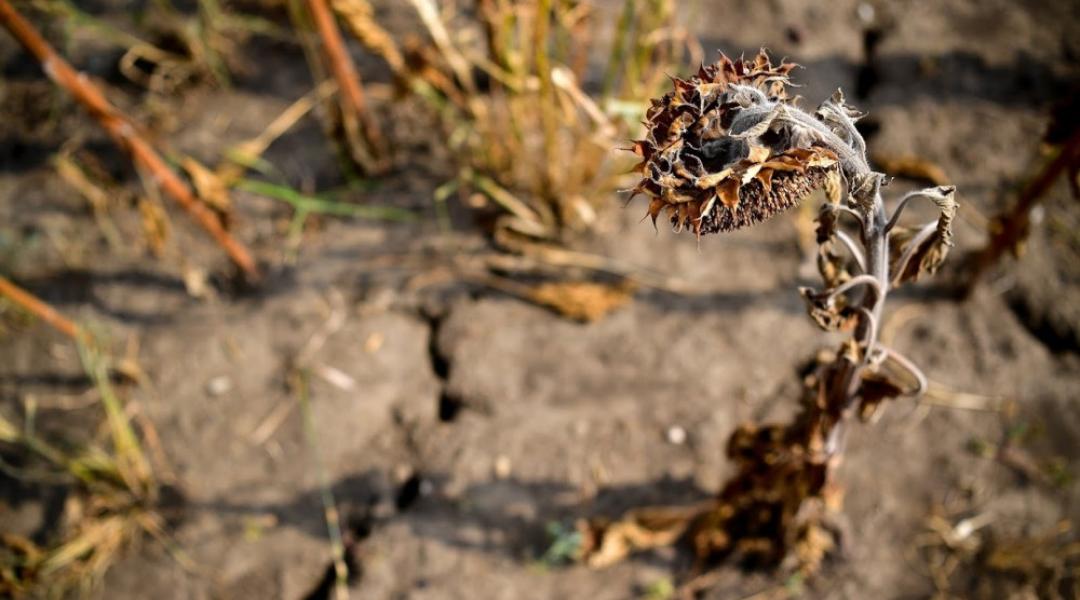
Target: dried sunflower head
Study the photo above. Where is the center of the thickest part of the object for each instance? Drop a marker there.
(723, 152)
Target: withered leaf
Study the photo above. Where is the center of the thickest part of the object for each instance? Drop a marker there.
(582, 300)
(864, 188)
(606, 543)
(827, 222)
(919, 252)
(830, 315)
(838, 114)
(832, 265)
(912, 167)
(875, 389)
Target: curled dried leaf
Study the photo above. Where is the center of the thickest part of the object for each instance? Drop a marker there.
(840, 117)
(832, 265)
(875, 389)
(828, 310)
(922, 251)
(582, 300)
(864, 189)
(828, 220)
(912, 167)
(604, 543)
(760, 513)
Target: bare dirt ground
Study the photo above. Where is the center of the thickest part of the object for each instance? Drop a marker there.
(477, 419)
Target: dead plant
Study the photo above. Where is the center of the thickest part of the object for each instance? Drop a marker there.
(728, 149)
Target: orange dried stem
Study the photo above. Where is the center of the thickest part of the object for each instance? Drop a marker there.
(124, 133)
(1015, 222)
(39, 308)
(341, 65)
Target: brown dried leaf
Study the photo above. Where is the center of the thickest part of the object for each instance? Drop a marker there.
(813, 545)
(211, 189)
(728, 192)
(912, 167)
(915, 253)
(581, 300)
(830, 315)
(827, 223)
(832, 265)
(758, 154)
(863, 190)
(875, 389)
(606, 543)
(834, 187)
(155, 224)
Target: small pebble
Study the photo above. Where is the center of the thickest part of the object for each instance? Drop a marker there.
(581, 428)
(374, 342)
(866, 13)
(502, 467)
(676, 435)
(218, 385)
(402, 472)
(1038, 213)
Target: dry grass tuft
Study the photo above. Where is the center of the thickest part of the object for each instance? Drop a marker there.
(111, 503)
(529, 139)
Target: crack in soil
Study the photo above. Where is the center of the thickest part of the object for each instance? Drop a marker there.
(449, 404)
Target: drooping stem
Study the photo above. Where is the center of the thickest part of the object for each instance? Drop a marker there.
(875, 239)
(856, 254)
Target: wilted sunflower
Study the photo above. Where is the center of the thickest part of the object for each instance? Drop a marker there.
(727, 148)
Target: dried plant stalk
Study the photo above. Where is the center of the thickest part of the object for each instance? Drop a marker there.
(354, 105)
(40, 309)
(1009, 230)
(359, 17)
(124, 133)
(727, 149)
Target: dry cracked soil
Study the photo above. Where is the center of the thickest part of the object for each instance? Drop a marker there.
(455, 422)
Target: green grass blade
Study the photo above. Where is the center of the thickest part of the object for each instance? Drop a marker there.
(323, 206)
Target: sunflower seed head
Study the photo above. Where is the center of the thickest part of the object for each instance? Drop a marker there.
(722, 151)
